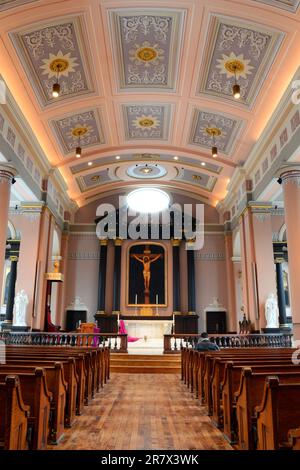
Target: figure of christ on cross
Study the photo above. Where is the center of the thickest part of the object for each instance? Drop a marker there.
(146, 259)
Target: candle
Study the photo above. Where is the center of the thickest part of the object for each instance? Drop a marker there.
(173, 319)
(135, 304)
(118, 319)
(156, 304)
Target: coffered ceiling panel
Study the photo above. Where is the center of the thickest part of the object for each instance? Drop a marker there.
(146, 121)
(85, 126)
(290, 5)
(95, 179)
(210, 129)
(199, 179)
(147, 45)
(237, 49)
(61, 45)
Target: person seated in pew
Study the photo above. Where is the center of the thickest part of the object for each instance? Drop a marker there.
(204, 344)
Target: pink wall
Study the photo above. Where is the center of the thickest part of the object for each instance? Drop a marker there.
(83, 271)
(210, 268)
(29, 227)
(277, 222)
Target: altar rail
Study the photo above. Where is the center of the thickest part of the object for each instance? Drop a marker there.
(174, 343)
(114, 341)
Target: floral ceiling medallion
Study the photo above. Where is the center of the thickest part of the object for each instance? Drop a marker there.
(80, 131)
(95, 178)
(213, 131)
(59, 63)
(234, 65)
(146, 122)
(147, 54)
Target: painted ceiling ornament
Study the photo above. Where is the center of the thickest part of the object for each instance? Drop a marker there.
(80, 131)
(234, 65)
(213, 131)
(60, 63)
(146, 122)
(96, 178)
(146, 54)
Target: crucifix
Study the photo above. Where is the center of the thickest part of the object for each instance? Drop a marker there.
(147, 258)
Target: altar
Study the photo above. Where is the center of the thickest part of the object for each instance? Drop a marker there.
(147, 329)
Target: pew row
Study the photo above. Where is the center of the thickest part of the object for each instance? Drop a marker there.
(13, 415)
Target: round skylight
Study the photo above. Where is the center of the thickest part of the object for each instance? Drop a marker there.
(148, 200)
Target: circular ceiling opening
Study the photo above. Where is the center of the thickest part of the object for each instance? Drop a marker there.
(148, 200)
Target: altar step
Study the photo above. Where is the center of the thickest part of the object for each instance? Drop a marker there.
(145, 363)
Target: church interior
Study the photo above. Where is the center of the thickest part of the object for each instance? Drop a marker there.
(149, 194)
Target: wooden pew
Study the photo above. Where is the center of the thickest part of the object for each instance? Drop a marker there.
(57, 386)
(36, 395)
(278, 412)
(13, 415)
(213, 382)
(94, 361)
(224, 384)
(69, 374)
(249, 395)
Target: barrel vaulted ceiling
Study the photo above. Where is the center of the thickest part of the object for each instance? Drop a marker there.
(143, 82)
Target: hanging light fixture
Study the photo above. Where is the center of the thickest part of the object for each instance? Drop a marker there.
(213, 132)
(78, 132)
(56, 85)
(78, 149)
(236, 89)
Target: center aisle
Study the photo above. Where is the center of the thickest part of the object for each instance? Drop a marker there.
(143, 411)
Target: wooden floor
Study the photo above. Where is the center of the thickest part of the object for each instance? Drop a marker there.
(143, 411)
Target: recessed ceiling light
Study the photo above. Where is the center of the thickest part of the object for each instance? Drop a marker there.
(118, 157)
(176, 158)
(90, 163)
(203, 163)
(148, 200)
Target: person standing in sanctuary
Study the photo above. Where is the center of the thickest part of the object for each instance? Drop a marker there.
(204, 344)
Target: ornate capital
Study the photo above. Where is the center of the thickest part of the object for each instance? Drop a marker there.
(118, 241)
(291, 176)
(14, 258)
(7, 173)
(175, 241)
(103, 242)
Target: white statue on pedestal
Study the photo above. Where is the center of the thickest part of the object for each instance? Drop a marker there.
(271, 311)
(21, 302)
(215, 302)
(77, 305)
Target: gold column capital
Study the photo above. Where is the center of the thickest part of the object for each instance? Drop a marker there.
(118, 241)
(104, 242)
(175, 241)
(13, 258)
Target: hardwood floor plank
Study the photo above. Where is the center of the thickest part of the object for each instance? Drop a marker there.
(143, 411)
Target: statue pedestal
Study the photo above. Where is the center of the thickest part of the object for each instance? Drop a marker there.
(271, 330)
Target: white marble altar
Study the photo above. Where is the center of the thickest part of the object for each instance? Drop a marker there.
(145, 328)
